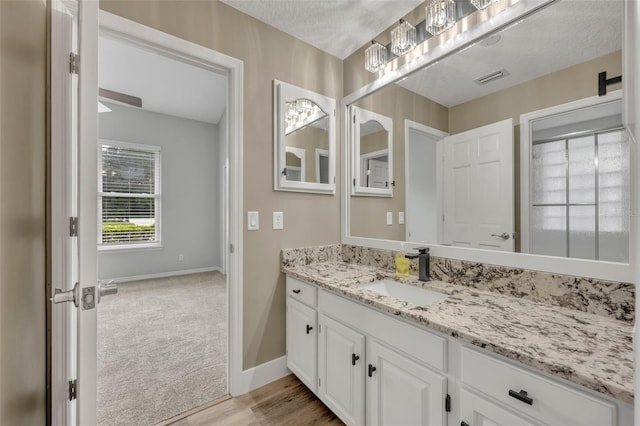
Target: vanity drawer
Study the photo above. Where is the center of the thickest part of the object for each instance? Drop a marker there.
(306, 293)
(551, 402)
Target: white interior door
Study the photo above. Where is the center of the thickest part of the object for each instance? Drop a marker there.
(478, 188)
(378, 172)
(74, 174)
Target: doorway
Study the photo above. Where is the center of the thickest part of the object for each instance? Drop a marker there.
(74, 352)
(162, 132)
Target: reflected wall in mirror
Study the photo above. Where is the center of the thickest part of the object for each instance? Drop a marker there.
(450, 187)
(372, 153)
(304, 140)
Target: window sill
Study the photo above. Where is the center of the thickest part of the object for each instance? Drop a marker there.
(126, 248)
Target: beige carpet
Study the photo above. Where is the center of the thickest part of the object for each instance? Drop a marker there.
(162, 348)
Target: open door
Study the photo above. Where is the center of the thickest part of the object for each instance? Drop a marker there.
(76, 293)
(478, 188)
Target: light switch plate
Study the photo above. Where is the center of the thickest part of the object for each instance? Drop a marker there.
(278, 220)
(253, 221)
(389, 218)
(400, 218)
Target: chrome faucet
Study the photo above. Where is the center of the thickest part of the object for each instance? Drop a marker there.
(423, 263)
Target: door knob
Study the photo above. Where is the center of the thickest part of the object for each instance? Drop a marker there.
(107, 289)
(60, 296)
(504, 236)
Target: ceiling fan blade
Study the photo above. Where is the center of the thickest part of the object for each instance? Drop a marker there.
(120, 97)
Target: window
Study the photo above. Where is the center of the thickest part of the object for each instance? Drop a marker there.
(128, 195)
(580, 196)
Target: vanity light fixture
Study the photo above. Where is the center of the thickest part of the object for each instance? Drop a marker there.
(375, 57)
(403, 38)
(482, 4)
(440, 16)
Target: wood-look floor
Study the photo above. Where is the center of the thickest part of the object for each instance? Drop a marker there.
(284, 402)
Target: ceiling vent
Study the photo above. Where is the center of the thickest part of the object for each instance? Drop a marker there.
(492, 76)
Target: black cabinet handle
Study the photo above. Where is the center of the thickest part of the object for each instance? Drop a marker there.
(354, 358)
(297, 291)
(521, 396)
(309, 328)
(463, 423)
(371, 370)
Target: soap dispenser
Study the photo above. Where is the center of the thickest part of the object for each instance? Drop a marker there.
(402, 263)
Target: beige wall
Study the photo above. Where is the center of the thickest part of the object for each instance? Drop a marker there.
(369, 214)
(267, 54)
(22, 212)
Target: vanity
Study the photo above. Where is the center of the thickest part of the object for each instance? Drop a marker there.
(510, 157)
(466, 356)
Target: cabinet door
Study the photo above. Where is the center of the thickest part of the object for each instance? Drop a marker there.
(302, 342)
(477, 411)
(401, 391)
(340, 369)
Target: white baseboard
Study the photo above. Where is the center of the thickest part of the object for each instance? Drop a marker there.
(261, 375)
(164, 274)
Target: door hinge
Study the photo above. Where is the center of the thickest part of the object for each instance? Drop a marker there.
(354, 181)
(74, 63)
(73, 390)
(447, 403)
(231, 248)
(319, 328)
(73, 226)
(318, 381)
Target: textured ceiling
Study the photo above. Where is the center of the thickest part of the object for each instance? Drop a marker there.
(564, 34)
(165, 85)
(339, 27)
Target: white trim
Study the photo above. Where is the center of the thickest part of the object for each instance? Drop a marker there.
(434, 133)
(163, 274)
(189, 52)
(261, 375)
(578, 267)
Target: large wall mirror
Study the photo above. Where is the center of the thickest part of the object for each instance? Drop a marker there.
(304, 140)
(503, 144)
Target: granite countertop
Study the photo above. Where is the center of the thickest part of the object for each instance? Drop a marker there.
(586, 349)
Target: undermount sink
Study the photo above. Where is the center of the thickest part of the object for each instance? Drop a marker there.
(405, 292)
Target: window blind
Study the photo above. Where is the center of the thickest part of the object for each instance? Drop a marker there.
(128, 193)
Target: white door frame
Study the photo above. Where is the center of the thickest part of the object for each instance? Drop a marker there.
(430, 132)
(525, 154)
(188, 52)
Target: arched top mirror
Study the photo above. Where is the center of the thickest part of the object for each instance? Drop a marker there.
(304, 140)
(372, 142)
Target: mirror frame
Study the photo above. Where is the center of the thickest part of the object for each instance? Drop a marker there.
(393, 73)
(361, 115)
(281, 92)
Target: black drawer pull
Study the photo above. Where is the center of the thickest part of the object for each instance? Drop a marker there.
(309, 328)
(371, 370)
(463, 423)
(354, 358)
(521, 396)
(297, 291)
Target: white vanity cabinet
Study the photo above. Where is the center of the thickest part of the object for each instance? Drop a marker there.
(400, 391)
(341, 361)
(302, 342)
(528, 395)
(377, 370)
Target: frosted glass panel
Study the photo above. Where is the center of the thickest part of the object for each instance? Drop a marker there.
(582, 170)
(549, 228)
(549, 173)
(613, 176)
(582, 232)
